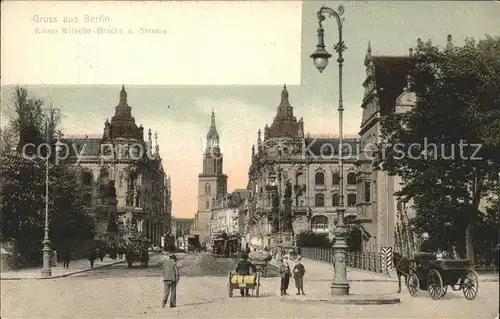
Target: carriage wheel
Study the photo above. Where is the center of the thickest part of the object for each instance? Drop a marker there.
(257, 285)
(470, 284)
(413, 285)
(434, 284)
(443, 292)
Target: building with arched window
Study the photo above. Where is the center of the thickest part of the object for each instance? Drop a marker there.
(310, 164)
(124, 163)
(386, 91)
(320, 224)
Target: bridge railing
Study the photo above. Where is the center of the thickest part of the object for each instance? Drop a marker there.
(368, 261)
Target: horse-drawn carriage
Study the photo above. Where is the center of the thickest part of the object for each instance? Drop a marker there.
(136, 250)
(251, 282)
(225, 246)
(428, 273)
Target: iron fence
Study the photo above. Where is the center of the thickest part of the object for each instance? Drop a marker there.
(368, 261)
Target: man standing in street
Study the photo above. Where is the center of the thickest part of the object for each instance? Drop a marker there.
(170, 280)
(298, 275)
(284, 271)
(243, 269)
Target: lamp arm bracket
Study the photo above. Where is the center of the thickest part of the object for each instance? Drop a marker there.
(331, 13)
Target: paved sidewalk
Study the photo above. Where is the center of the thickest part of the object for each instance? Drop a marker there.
(75, 267)
(319, 270)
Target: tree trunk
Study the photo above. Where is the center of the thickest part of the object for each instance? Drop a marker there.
(469, 247)
(476, 197)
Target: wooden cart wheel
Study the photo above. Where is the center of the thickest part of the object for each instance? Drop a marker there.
(470, 284)
(413, 285)
(443, 292)
(434, 284)
(257, 285)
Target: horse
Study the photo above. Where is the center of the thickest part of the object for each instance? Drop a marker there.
(402, 265)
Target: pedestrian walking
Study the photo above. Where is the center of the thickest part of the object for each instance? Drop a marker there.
(66, 257)
(92, 257)
(170, 281)
(298, 274)
(284, 271)
(243, 269)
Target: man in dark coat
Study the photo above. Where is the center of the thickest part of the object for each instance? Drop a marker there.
(92, 257)
(298, 274)
(66, 257)
(243, 269)
(284, 270)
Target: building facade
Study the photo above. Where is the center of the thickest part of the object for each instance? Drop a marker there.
(181, 226)
(123, 164)
(212, 183)
(310, 164)
(386, 91)
(228, 213)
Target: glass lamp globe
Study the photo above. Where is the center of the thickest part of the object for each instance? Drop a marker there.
(320, 58)
(320, 63)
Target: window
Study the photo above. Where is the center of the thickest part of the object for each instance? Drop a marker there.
(351, 179)
(319, 200)
(335, 179)
(319, 178)
(87, 178)
(335, 199)
(207, 204)
(207, 189)
(351, 200)
(319, 223)
(367, 192)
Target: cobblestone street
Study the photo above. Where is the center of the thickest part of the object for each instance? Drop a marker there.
(119, 292)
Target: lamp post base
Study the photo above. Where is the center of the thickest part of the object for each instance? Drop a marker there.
(339, 289)
(46, 270)
(46, 273)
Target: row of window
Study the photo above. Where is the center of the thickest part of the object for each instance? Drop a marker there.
(319, 200)
(319, 178)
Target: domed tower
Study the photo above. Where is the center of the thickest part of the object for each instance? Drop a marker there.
(122, 123)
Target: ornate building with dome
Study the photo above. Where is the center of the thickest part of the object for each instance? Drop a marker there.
(128, 191)
(309, 166)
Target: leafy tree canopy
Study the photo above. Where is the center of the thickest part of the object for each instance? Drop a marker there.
(23, 183)
(458, 111)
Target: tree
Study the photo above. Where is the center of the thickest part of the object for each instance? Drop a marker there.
(23, 191)
(310, 239)
(458, 110)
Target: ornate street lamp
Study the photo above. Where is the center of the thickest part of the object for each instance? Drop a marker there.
(46, 250)
(320, 57)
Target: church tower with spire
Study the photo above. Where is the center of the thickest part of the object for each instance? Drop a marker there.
(212, 182)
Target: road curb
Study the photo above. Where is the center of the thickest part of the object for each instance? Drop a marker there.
(345, 300)
(387, 278)
(68, 274)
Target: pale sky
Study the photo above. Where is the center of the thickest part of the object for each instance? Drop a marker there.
(240, 109)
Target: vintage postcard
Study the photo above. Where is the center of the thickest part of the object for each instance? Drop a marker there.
(249, 159)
